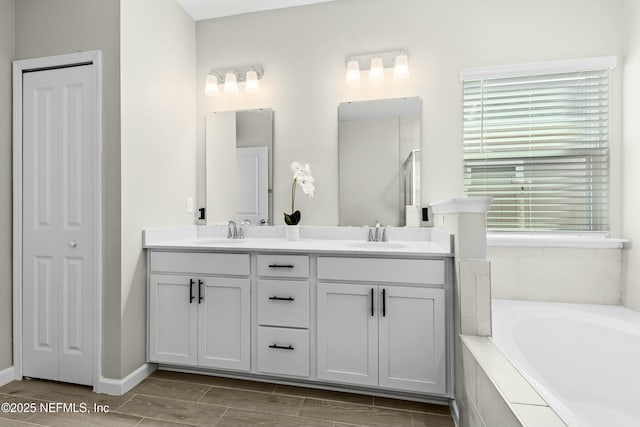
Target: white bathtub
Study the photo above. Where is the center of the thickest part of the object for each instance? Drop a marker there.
(583, 359)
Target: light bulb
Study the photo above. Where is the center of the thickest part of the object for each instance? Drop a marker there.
(353, 71)
(230, 84)
(376, 71)
(211, 86)
(251, 82)
(401, 68)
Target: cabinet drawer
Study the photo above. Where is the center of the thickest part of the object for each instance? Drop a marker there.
(283, 266)
(382, 270)
(200, 263)
(283, 351)
(283, 303)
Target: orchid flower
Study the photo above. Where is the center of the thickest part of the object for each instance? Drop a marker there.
(302, 176)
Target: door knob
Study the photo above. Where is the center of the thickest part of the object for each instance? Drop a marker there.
(73, 243)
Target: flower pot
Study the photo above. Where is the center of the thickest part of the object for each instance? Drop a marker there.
(292, 232)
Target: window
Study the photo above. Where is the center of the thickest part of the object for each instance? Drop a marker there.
(539, 145)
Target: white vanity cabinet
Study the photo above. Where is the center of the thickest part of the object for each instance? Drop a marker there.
(362, 322)
(200, 310)
(382, 332)
(173, 325)
(283, 315)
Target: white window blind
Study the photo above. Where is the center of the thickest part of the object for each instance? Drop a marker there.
(539, 146)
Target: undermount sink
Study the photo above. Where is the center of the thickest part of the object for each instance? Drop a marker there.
(217, 241)
(388, 245)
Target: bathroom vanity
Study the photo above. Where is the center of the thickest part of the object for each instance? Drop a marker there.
(335, 313)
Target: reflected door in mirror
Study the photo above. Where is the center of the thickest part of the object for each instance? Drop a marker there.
(252, 198)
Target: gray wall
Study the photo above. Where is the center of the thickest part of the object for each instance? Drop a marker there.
(304, 51)
(158, 145)
(6, 56)
(45, 28)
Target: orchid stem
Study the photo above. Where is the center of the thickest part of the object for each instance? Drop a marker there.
(293, 195)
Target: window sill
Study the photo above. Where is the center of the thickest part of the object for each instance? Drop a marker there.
(568, 240)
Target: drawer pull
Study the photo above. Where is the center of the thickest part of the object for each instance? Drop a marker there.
(384, 302)
(280, 266)
(191, 296)
(280, 347)
(281, 299)
(372, 314)
(200, 294)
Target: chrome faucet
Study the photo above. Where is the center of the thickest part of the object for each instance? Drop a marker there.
(232, 234)
(245, 222)
(375, 235)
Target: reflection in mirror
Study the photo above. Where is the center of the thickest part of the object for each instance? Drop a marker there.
(379, 155)
(239, 151)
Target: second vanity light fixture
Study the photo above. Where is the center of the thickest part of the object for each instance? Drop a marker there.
(376, 63)
(230, 79)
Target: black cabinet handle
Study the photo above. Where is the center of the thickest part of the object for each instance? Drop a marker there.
(200, 297)
(281, 299)
(280, 266)
(191, 297)
(372, 302)
(384, 302)
(280, 347)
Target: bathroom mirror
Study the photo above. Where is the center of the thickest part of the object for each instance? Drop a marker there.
(379, 156)
(239, 177)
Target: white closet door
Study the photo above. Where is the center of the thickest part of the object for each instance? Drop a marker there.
(58, 224)
(252, 182)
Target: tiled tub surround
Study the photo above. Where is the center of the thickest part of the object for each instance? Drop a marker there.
(494, 393)
(582, 358)
(371, 318)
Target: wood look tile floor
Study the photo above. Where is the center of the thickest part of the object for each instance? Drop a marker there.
(173, 399)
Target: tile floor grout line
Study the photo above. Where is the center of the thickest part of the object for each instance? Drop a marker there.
(127, 401)
(204, 394)
(140, 421)
(299, 395)
(170, 398)
(25, 422)
(428, 413)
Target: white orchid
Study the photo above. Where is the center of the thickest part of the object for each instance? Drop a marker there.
(302, 176)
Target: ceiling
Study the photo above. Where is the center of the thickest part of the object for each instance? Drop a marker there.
(206, 9)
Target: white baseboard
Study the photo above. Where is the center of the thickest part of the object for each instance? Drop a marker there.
(120, 387)
(7, 375)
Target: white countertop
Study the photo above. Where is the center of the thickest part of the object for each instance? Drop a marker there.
(355, 247)
(212, 239)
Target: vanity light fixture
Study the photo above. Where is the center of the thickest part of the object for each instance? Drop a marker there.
(247, 76)
(376, 71)
(353, 71)
(251, 84)
(211, 86)
(376, 63)
(230, 83)
(401, 67)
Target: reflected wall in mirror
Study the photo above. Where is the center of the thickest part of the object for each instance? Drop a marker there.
(379, 156)
(239, 151)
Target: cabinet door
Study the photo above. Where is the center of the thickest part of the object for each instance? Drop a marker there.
(412, 339)
(173, 327)
(224, 314)
(347, 334)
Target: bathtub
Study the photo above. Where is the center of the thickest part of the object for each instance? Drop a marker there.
(583, 359)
